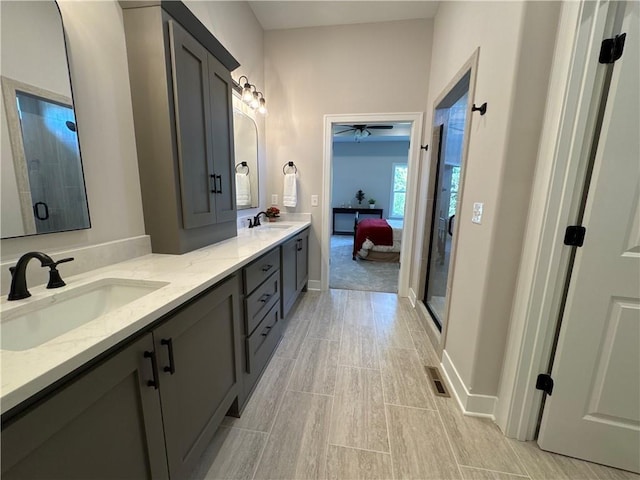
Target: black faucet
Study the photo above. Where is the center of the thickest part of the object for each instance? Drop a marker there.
(256, 219)
(19, 274)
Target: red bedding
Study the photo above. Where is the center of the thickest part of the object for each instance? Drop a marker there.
(375, 229)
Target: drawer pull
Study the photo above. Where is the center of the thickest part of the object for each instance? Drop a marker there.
(154, 366)
(264, 298)
(266, 268)
(168, 342)
(266, 331)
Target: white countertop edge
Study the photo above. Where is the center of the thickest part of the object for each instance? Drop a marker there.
(27, 372)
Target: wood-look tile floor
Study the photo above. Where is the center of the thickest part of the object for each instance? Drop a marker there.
(346, 397)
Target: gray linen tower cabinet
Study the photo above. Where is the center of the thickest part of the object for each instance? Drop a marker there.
(181, 90)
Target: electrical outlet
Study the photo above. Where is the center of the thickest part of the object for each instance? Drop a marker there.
(314, 200)
(274, 199)
(477, 213)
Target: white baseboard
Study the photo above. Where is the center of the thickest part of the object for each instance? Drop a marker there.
(314, 285)
(471, 404)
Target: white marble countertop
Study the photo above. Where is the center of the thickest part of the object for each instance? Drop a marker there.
(26, 372)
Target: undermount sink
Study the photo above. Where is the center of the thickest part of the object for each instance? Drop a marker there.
(274, 226)
(42, 320)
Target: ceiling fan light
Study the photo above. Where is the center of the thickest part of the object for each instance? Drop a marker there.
(365, 133)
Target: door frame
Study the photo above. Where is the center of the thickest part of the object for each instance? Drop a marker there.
(576, 78)
(415, 119)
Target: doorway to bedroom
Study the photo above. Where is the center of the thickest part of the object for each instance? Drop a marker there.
(368, 196)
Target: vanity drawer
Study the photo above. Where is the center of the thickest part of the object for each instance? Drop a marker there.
(261, 344)
(260, 302)
(261, 269)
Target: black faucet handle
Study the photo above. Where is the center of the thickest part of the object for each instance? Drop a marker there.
(55, 280)
(64, 260)
(250, 224)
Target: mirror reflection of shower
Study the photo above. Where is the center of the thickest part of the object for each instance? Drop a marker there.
(56, 180)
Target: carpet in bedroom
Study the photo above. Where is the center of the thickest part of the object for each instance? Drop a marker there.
(346, 274)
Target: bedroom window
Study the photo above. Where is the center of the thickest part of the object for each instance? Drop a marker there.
(398, 190)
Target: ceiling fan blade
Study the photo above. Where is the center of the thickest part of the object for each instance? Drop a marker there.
(380, 127)
(343, 131)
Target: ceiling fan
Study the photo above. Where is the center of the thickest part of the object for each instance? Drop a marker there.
(362, 131)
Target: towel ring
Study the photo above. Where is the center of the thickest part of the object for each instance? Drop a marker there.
(289, 164)
(242, 164)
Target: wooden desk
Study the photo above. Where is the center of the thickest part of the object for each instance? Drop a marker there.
(352, 211)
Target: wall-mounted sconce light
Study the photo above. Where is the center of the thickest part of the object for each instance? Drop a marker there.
(250, 95)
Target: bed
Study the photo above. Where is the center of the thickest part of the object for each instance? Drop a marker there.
(377, 240)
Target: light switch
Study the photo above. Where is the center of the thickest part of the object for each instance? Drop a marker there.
(477, 213)
(274, 199)
(314, 200)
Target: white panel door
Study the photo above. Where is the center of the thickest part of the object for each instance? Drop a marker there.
(594, 410)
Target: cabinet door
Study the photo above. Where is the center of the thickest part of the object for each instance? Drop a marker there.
(288, 270)
(302, 260)
(106, 424)
(199, 362)
(222, 141)
(189, 62)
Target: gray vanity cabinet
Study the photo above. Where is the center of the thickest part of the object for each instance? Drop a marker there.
(198, 351)
(147, 411)
(202, 96)
(294, 269)
(181, 92)
(105, 424)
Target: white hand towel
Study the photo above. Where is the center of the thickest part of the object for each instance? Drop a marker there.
(243, 190)
(289, 194)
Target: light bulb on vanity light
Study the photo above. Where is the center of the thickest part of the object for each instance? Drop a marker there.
(255, 101)
(263, 106)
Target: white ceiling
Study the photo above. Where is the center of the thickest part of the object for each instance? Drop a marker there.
(274, 15)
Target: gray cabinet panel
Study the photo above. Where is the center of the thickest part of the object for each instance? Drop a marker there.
(183, 124)
(288, 272)
(220, 85)
(106, 424)
(302, 261)
(193, 124)
(201, 383)
(261, 344)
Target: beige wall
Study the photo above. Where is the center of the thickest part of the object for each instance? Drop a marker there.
(515, 43)
(310, 72)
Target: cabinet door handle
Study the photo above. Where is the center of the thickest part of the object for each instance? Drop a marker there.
(154, 366)
(266, 268)
(213, 182)
(299, 242)
(168, 342)
(219, 177)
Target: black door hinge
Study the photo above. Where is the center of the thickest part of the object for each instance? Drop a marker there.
(574, 235)
(612, 48)
(544, 383)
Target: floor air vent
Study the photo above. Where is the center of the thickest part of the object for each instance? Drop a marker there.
(439, 387)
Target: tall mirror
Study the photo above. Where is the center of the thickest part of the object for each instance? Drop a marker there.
(42, 180)
(245, 134)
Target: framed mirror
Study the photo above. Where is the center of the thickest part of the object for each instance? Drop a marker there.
(245, 134)
(43, 188)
